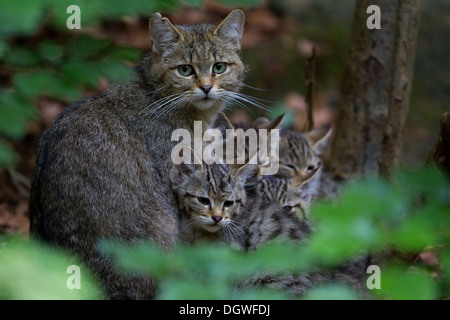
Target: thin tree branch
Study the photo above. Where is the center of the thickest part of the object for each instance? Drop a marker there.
(310, 73)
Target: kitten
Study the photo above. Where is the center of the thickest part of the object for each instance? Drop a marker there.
(300, 155)
(278, 211)
(276, 208)
(102, 168)
(210, 198)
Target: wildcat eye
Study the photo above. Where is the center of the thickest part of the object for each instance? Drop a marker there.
(228, 204)
(288, 208)
(204, 201)
(185, 70)
(219, 67)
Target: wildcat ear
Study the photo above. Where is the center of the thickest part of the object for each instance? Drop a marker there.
(163, 34)
(318, 138)
(231, 28)
(263, 123)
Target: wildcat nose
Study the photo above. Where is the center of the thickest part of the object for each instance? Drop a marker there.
(216, 218)
(206, 88)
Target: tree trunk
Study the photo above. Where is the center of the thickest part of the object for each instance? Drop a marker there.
(367, 90)
(408, 16)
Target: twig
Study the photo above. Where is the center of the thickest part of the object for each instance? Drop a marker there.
(310, 72)
(20, 182)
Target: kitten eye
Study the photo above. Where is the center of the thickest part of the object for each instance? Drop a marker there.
(228, 204)
(288, 208)
(204, 201)
(290, 166)
(310, 168)
(219, 67)
(185, 70)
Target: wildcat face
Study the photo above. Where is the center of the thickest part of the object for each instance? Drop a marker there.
(198, 64)
(209, 196)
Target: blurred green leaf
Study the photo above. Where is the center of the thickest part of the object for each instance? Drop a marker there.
(331, 292)
(125, 53)
(399, 284)
(43, 82)
(429, 181)
(115, 71)
(20, 57)
(193, 289)
(3, 48)
(7, 156)
(82, 46)
(51, 50)
(81, 72)
(29, 271)
(242, 3)
(415, 234)
(20, 17)
(15, 112)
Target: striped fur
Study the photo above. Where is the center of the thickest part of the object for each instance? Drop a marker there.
(205, 192)
(275, 210)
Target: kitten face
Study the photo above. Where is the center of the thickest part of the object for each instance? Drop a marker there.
(276, 211)
(209, 196)
(198, 64)
(284, 195)
(299, 154)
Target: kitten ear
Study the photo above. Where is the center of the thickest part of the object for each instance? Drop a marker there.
(183, 170)
(231, 28)
(163, 34)
(318, 138)
(260, 121)
(242, 171)
(263, 123)
(298, 181)
(179, 172)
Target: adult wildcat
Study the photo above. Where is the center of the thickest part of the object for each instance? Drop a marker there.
(102, 168)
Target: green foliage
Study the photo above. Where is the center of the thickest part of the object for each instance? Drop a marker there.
(372, 216)
(30, 271)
